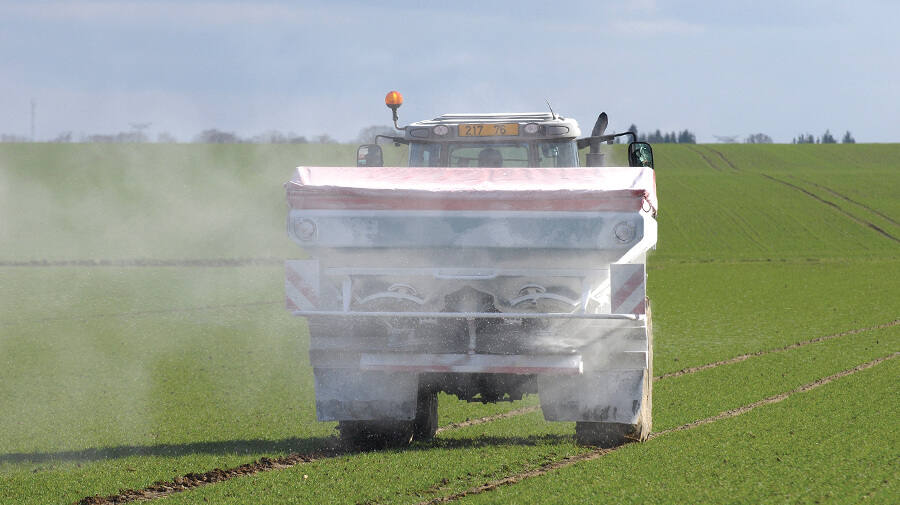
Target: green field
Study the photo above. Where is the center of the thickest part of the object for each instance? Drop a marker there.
(143, 338)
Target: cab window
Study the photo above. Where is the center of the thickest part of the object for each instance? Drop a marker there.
(483, 154)
(557, 153)
(424, 155)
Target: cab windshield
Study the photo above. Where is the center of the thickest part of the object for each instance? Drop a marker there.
(488, 155)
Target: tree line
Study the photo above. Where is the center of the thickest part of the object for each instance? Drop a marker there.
(826, 138)
(688, 137)
(369, 134)
(210, 136)
(658, 137)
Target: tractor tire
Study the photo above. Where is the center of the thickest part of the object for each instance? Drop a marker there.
(426, 423)
(609, 435)
(375, 435)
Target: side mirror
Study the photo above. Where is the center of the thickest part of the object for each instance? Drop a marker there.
(369, 155)
(640, 155)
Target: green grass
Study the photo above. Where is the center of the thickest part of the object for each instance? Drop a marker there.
(452, 464)
(729, 309)
(720, 213)
(114, 377)
(676, 402)
(835, 444)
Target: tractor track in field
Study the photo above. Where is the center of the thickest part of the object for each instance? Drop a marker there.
(705, 158)
(598, 453)
(726, 160)
(489, 419)
(834, 206)
(743, 357)
(873, 226)
(210, 262)
(850, 200)
(162, 489)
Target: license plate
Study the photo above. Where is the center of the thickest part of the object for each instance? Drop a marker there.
(488, 130)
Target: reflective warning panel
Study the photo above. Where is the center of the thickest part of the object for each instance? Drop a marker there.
(628, 288)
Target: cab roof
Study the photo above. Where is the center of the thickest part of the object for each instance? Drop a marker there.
(549, 126)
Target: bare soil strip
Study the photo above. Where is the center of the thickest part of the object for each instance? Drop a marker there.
(738, 359)
(162, 489)
(210, 262)
(549, 467)
(834, 206)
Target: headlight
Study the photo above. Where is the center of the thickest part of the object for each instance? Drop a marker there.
(441, 129)
(532, 128)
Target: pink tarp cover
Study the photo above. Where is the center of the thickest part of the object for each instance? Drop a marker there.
(429, 188)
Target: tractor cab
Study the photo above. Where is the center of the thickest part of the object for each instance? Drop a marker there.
(517, 140)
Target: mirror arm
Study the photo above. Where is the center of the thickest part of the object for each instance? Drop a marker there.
(594, 142)
(396, 140)
(633, 135)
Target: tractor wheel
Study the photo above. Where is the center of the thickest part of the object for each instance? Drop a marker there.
(375, 435)
(426, 422)
(608, 435)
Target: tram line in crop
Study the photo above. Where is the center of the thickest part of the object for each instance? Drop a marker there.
(193, 480)
(850, 200)
(162, 489)
(549, 467)
(708, 161)
(835, 206)
(489, 419)
(726, 160)
(738, 359)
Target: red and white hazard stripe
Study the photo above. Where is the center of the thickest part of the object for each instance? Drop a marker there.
(628, 288)
(301, 285)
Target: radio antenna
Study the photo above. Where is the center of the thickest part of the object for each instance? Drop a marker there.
(551, 108)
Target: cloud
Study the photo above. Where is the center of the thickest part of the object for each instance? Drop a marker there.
(210, 13)
(656, 28)
(314, 67)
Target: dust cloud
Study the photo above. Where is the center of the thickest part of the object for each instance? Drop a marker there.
(142, 299)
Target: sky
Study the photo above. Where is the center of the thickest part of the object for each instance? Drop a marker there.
(719, 69)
